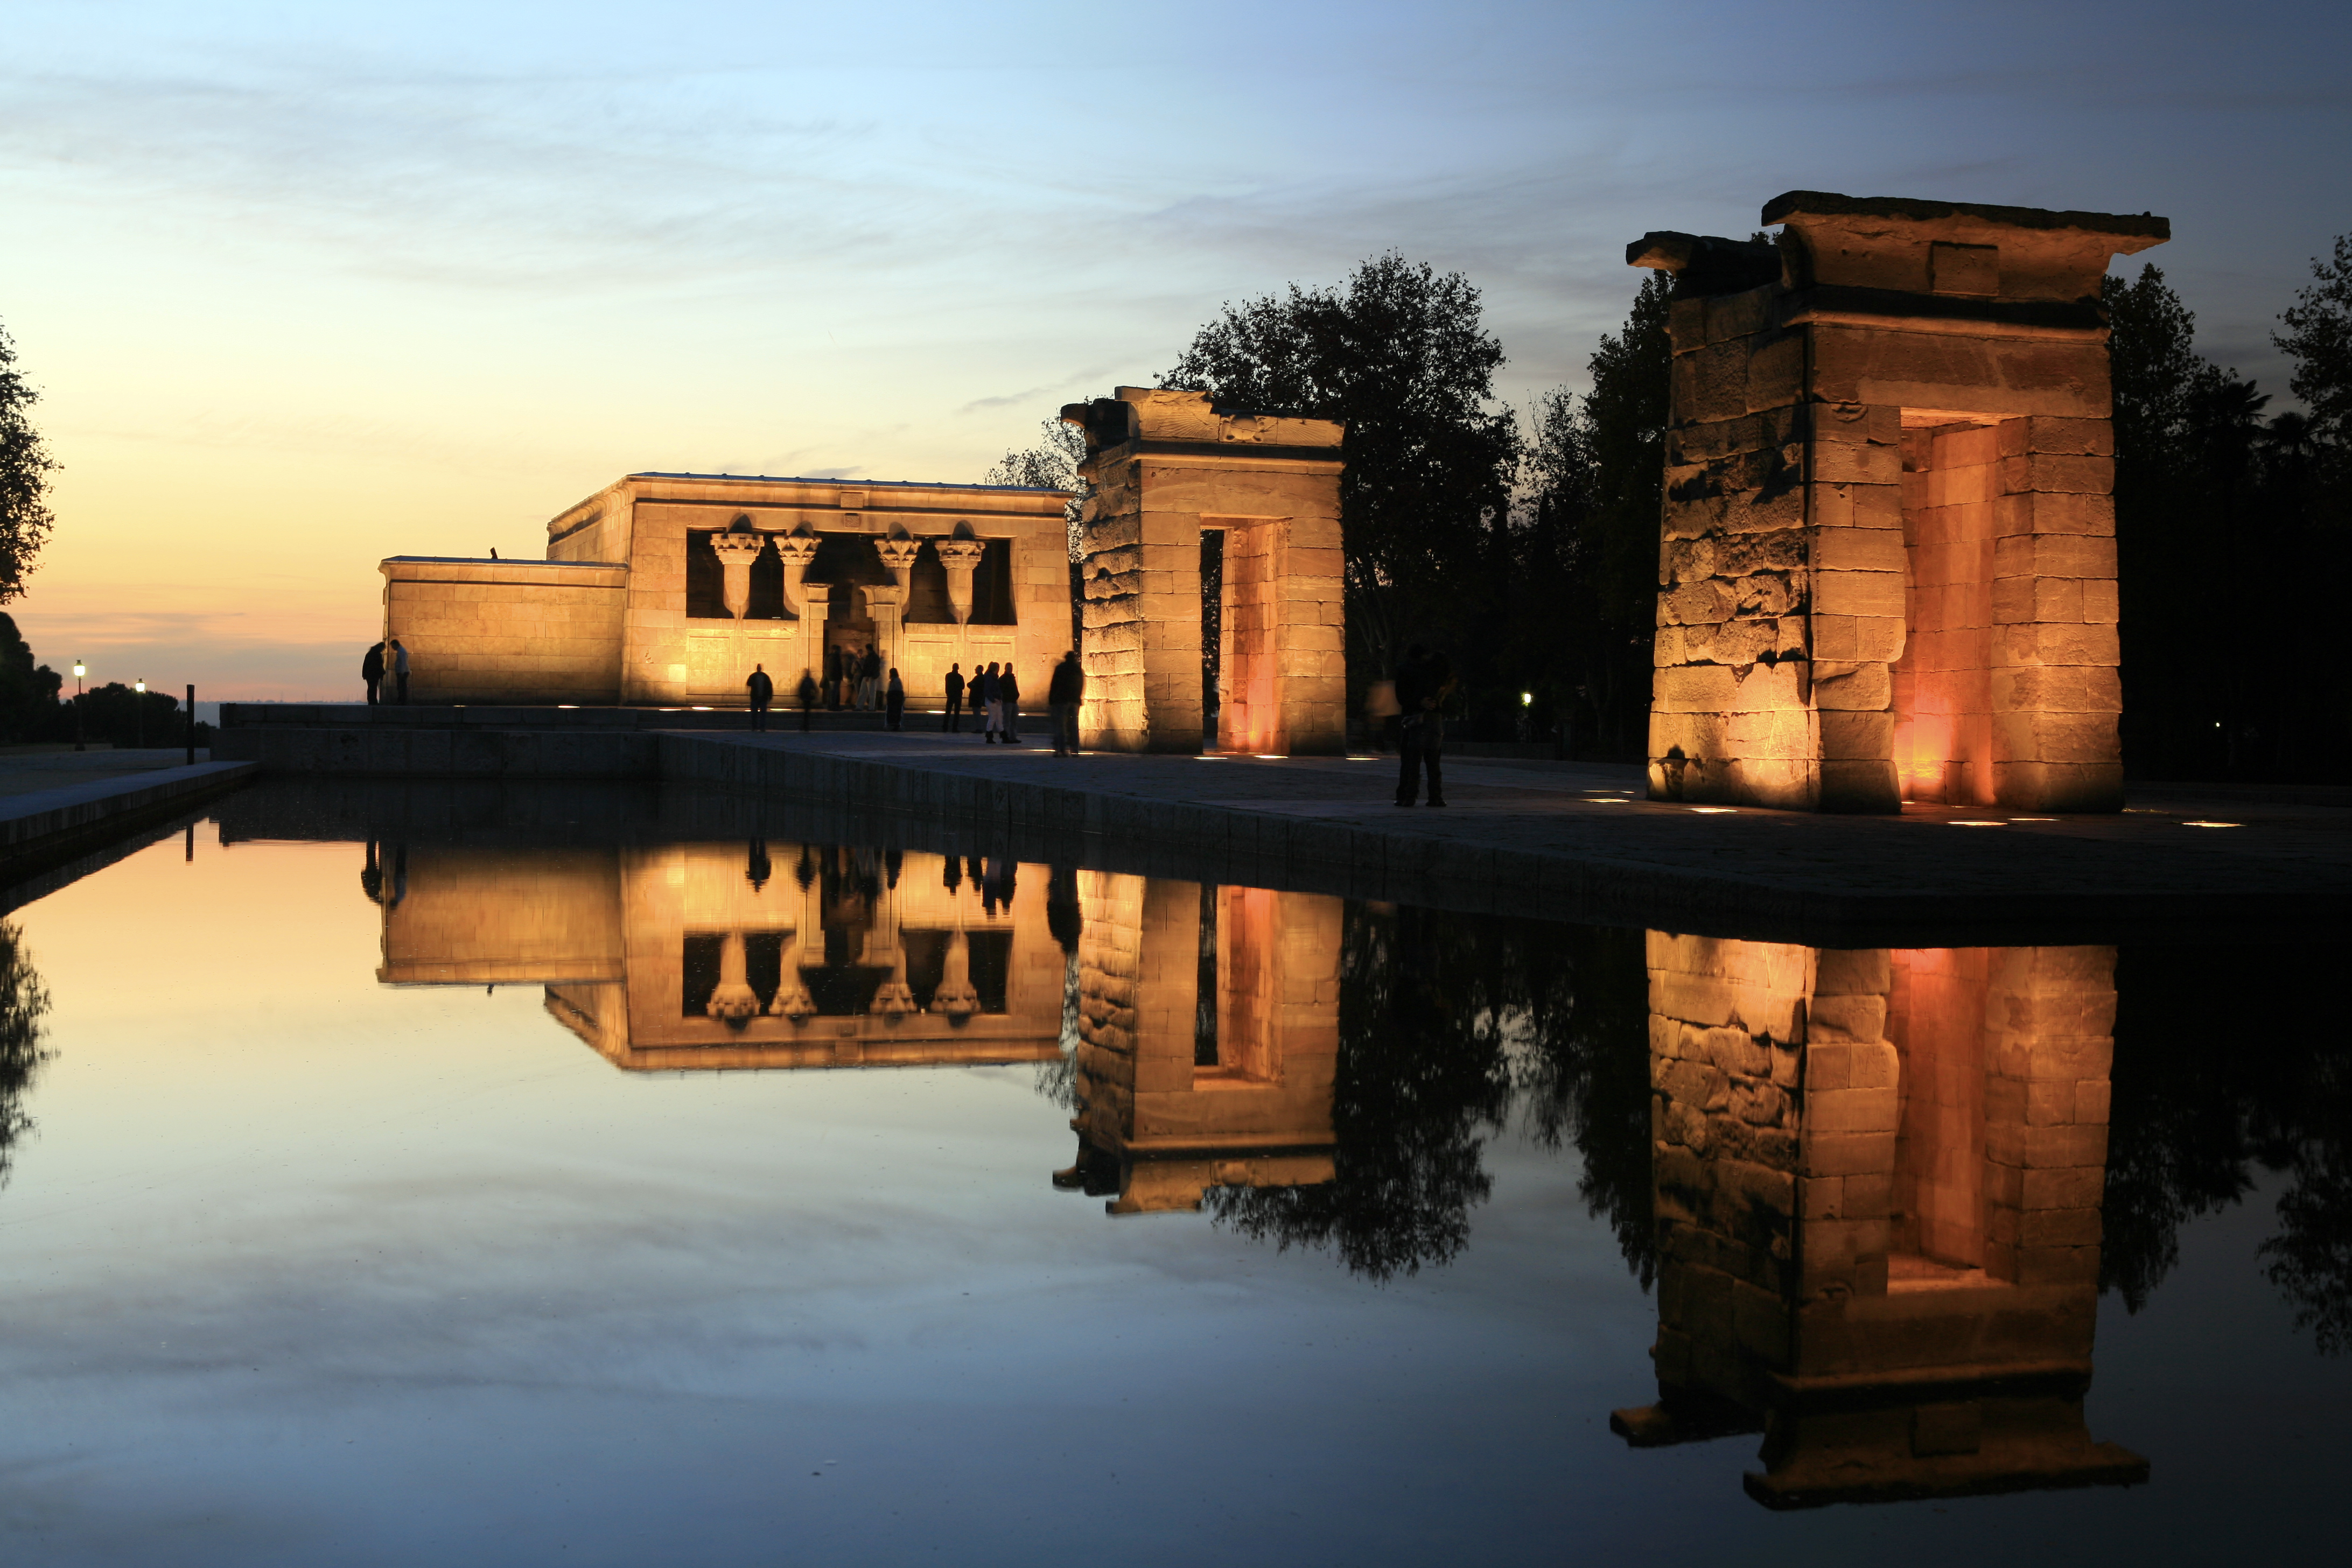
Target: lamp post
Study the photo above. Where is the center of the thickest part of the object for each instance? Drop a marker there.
(80, 671)
(139, 711)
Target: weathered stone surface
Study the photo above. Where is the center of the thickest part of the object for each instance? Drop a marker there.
(1927, 489)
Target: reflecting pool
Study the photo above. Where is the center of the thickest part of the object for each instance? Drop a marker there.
(410, 1177)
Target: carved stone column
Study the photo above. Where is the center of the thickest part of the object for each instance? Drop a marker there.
(737, 549)
(734, 1002)
(960, 553)
(887, 604)
(816, 600)
(793, 999)
(795, 550)
(897, 553)
(957, 997)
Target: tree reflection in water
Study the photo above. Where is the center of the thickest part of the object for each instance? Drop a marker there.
(1447, 1025)
(24, 1003)
(2216, 1074)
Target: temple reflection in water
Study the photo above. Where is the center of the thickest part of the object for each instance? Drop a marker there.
(1875, 1174)
(1878, 1184)
(1204, 1021)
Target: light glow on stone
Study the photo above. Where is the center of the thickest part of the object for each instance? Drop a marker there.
(1715, 810)
(2212, 824)
(1980, 825)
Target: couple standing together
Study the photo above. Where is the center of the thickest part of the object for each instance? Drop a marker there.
(386, 660)
(995, 693)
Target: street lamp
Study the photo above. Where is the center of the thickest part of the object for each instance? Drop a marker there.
(80, 671)
(139, 711)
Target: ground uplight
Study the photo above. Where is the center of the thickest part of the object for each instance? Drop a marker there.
(1715, 810)
(1975, 824)
(2212, 824)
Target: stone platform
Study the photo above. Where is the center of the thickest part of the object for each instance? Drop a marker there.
(1572, 841)
(1561, 840)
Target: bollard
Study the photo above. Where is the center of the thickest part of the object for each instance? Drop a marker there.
(192, 726)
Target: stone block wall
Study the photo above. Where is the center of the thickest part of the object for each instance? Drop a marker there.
(1165, 467)
(507, 631)
(1887, 566)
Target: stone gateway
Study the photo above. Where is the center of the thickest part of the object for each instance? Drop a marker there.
(1888, 564)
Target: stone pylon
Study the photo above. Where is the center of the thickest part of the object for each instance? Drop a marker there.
(1888, 567)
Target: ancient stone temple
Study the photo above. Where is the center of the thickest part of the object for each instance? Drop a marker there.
(1187, 493)
(1888, 570)
(667, 588)
(1878, 1177)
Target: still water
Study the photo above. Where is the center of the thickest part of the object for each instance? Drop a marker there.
(551, 1195)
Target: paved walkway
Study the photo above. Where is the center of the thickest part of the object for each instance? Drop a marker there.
(2270, 857)
(30, 770)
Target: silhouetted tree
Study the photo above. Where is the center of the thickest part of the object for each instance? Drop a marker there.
(1400, 354)
(23, 1004)
(25, 469)
(1422, 1082)
(2318, 338)
(1051, 465)
(2214, 510)
(1595, 478)
(29, 692)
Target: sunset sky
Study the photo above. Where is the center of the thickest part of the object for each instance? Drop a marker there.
(306, 285)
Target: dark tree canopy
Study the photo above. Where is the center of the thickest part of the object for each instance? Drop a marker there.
(2318, 338)
(1589, 536)
(25, 469)
(1401, 355)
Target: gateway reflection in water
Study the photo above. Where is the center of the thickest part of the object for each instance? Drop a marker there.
(1875, 1174)
(1878, 1183)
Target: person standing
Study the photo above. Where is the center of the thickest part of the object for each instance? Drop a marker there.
(952, 720)
(399, 657)
(762, 692)
(1008, 701)
(983, 699)
(869, 678)
(1063, 694)
(372, 671)
(808, 696)
(1422, 683)
(894, 702)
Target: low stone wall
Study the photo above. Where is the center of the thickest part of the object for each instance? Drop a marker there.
(508, 631)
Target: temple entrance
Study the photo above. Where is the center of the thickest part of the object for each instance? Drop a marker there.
(848, 633)
(1248, 616)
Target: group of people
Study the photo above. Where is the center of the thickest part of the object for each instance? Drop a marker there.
(385, 661)
(853, 678)
(993, 693)
(761, 689)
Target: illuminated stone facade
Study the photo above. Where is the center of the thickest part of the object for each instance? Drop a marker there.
(667, 588)
(1168, 468)
(1888, 568)
(760, 955)
(1878, 1177)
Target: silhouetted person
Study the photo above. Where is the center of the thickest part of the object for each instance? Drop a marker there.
(762, 691)
(1063, 695)
(399, 657)
(1421, 684)
(832, 678)
(983, 698)
(371, 873)
(808, 695)
(894, 701)
(869, 678)
(952, 720)
(1008, 700)
(372, 671)
(757, 867)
